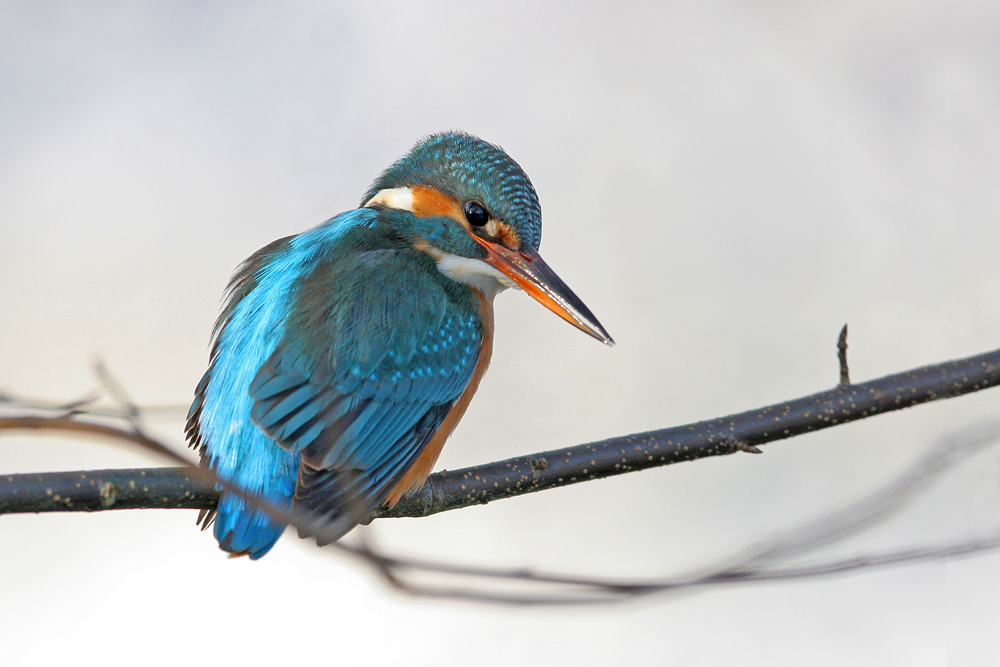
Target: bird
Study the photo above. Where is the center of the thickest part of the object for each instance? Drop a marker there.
(343, 357)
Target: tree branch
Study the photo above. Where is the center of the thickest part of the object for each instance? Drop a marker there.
(174, 488)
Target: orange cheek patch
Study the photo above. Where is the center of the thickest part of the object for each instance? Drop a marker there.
(508, 236)
(429, 202)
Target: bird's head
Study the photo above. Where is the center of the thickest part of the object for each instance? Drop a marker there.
(466, 203)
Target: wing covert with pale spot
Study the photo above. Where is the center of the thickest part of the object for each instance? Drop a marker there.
(357, 388)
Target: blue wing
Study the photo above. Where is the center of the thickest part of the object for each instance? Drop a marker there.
(347, 348)
(377, 348)
(219, 420)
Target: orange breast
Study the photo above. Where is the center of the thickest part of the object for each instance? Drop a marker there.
(415, 477)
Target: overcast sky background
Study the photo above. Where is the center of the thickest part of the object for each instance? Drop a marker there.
(724, 184)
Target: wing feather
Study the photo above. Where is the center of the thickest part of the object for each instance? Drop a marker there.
(378, 348)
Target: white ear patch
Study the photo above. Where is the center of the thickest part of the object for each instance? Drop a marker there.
(397, 198)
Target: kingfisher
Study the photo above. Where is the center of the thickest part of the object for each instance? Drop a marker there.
(345, 356)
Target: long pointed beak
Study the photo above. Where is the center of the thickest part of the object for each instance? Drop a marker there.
(530, 272)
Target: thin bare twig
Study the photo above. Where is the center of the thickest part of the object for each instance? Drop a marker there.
(761, 563)
(444, 491)
(845, 374)
(756, 564)
(86, 405)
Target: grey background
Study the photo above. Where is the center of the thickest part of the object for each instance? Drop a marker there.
(724, 184)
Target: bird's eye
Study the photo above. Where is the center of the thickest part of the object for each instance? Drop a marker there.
(475, 213)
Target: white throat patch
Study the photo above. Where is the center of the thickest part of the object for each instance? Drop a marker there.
(476, 273)
(473, 272)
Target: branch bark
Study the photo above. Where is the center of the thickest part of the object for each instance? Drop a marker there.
(184, 488)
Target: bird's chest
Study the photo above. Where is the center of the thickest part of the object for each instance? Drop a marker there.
(422, 467)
